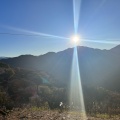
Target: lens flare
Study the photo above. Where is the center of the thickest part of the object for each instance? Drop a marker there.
(76, 13)
(33, 33)
(75, 39)
(76, 100)
(76, 94)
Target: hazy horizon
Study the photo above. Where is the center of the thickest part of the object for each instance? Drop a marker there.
(53, 51)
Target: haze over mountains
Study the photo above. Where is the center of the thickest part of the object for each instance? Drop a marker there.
(97, 67)
(3, 57)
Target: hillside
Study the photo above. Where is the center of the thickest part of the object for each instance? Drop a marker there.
(98, 67)
(18, 84)
(19, 87)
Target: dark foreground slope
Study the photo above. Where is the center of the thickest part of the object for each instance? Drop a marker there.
(19, 87)
(98, 67)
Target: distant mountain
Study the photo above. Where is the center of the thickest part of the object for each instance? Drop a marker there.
(116, 49)
(3, 58)
(98, 67)
(18, 86)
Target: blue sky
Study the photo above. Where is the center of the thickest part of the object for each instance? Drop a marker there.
(98, 20)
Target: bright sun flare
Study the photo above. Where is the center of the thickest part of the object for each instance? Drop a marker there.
(75, 39)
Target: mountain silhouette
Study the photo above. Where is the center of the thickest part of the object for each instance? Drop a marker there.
(97, 67)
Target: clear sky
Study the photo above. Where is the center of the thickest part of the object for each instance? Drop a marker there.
(99, 20)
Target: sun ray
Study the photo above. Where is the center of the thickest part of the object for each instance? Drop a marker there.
(24, 32)
(92, 17)
(76, 95)
(107, 41)
(76, 13)
(76, 100)
(33, 33)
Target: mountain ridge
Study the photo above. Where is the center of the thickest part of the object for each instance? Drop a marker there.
(98, 67)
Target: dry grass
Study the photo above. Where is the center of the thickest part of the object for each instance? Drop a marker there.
(40, 114)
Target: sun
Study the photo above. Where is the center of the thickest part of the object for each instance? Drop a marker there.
(75, 39)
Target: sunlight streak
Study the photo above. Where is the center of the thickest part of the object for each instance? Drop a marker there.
(107, 41)
(76, 13)
(76, 94)
(76, 100)
(33, 33)
(92, 17)
(46, 35)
